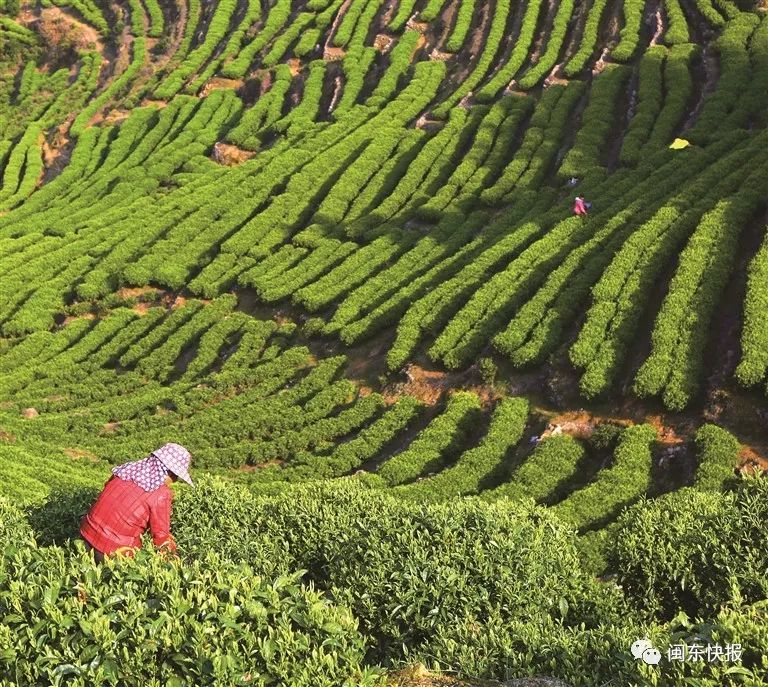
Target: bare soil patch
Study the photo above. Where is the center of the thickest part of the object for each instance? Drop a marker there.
(136, 291)
(429, 386)
(419, 676)
(80, 454)
(220, 83)
(230, 155)
(55, 25)
(753, 459)
(331, 54)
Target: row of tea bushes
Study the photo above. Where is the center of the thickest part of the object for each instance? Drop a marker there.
(152, 621)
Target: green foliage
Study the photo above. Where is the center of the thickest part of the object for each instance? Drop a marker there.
(718, 454)
(694, 550)
(143, 621)
(500, 649)
(408, 571)
(554, 43)
(599, 118)
(418, 200)
(650, 99)
(485, 60)
(675, 364)
(588, 41)
(477, 466)
(630, 32)
(754, 338)
(553, 462)
(461, 26)
(618, 486)
(488, 370)
(441, 439)
(677, 31)
(508, 70)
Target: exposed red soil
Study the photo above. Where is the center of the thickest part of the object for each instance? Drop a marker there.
(544, 29)
(657, 21)
(446, 21)
(136, 291)
(339, 16)
(389, 12)
(230, 155)
(753, 459)
(440, 56)
(294, 64)
(220, 83)
(177, 33)
(577, 423)
(572, 42)
(360, 363)
(419, 676)
(113, 117)
(338, 84)
(667, 435)
(426, 385)
(609, 37)
(173, 301)
(420, 26)
(80, 454)
(56, 150)
(54, 24)
(141, 308)
(477, 37)
(382, 42)
(429, 386)
(72, 318)
(331, 54)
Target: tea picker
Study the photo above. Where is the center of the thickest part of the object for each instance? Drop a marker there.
(136, 498)
(580, 206)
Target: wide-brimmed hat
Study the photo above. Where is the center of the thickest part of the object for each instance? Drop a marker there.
(176, 458)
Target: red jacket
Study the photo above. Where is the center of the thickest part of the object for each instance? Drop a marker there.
(579, 207)
(122, 514)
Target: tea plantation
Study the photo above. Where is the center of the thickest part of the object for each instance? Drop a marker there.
(435, 416)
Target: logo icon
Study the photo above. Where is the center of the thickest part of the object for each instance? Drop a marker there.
(642, 649)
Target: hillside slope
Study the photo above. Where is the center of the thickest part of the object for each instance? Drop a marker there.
(334, 241)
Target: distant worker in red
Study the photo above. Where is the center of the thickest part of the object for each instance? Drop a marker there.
(580, 207)
(137, 497)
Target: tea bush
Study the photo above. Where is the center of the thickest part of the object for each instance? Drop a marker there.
(585, 657)
(718, 453)
(406, 570)
(694, 550)
(152, 621)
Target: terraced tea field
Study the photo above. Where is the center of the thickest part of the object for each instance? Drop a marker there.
(330, 247)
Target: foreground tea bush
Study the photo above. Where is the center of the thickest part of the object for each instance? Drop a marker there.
(585, 657)
(151, 621)
(406, 570)
(695, 550)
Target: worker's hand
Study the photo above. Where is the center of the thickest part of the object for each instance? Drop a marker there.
(127, 551)
(168, 549)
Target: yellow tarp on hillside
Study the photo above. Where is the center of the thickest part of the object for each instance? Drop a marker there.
(679, 144)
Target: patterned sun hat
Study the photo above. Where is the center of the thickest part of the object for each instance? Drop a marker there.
(149, 473)
(176, 458)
